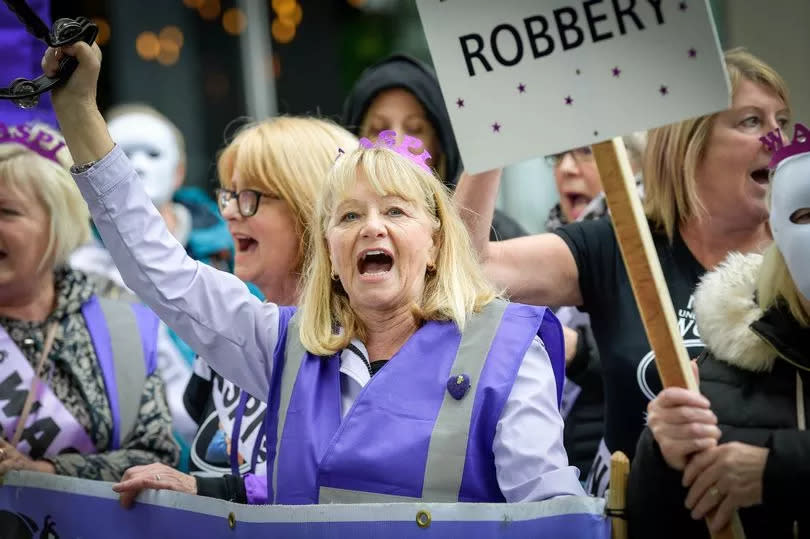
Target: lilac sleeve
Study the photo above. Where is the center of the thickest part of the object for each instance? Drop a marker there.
(213, 311)
(530, 460)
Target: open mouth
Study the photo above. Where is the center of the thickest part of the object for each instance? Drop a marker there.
(577, 199)
(577, 202)
(761, 176)
(245, 244)
(375, 262)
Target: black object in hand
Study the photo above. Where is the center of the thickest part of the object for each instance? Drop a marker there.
(25, 93)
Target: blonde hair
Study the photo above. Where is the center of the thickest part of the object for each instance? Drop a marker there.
(28, 172)
(775, 284)
(674, 151)
(456, 288)
(289, 158)
(139, 108)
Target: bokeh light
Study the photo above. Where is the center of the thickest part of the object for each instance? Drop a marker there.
(282, 31)
(103, 36)
(173, 34)
(169, 52)
(210, 9)
(234, 21)
(293, 17)
(284, 8)
(147, 45)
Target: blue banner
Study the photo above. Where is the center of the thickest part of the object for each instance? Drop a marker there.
(47, 506)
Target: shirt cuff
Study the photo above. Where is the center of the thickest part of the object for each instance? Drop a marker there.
(227, 487)
(105, 174)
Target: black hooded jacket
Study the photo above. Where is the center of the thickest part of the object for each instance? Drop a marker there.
(400, 71)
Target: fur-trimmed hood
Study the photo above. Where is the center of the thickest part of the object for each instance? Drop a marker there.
(725, 308)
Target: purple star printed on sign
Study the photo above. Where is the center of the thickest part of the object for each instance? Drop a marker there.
(682, 6)
(616, 71)
(663, 90)
(692, 53)
(460, 103)
(496, 127)
(569, 100)
(521, 88)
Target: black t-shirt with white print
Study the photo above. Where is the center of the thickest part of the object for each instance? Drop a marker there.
(630, 375)
(214, 403)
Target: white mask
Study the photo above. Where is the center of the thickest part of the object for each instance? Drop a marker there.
(151, 147)
(791, 192)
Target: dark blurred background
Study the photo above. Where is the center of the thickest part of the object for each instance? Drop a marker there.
(187, 58)
(209, 64)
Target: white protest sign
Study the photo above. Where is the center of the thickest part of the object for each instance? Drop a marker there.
(524, 78)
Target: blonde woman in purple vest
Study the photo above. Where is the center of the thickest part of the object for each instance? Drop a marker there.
(401, 376)
(79, 394)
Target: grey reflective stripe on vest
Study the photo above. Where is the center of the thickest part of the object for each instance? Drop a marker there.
(130, 367)
(294, 353)
(447, 451)
(448, 442)
(339, 495)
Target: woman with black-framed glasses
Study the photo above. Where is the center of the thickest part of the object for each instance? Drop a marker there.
(247, 200)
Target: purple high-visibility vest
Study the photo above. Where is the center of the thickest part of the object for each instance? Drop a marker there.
(406, 436)
(124, 338)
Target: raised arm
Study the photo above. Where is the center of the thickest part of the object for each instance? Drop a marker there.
(538, 269)
(211, 310)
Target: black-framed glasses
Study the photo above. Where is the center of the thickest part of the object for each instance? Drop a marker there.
(247, 200)
(580, 155)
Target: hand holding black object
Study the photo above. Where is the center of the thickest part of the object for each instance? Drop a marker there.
(25, 93)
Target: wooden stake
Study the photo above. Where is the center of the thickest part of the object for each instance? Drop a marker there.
(617, 494)
(647, 279)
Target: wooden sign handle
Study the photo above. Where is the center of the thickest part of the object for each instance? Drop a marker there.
(647, 279)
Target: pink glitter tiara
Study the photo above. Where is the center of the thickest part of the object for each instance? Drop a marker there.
(38, 138)
(775, 143)
(388, 139)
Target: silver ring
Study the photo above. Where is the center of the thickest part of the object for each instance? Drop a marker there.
(714, 492)
(157, 477)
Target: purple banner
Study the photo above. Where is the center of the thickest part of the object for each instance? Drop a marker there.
(38, 505)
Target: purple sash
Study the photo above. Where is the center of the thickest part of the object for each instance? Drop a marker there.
(50, 428)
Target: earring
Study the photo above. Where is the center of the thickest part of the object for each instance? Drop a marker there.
(334, 275)
(431, 268)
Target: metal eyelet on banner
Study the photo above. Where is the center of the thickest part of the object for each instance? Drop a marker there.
(231, 520)
(423, 518)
